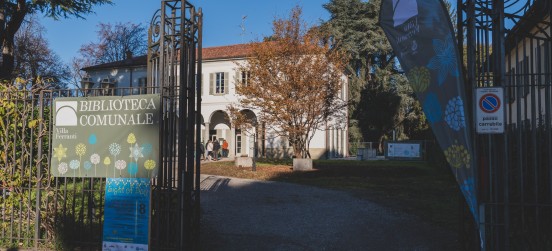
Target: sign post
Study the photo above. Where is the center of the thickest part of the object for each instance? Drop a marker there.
(490, 110)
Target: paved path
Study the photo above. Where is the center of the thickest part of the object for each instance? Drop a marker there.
(240, 214)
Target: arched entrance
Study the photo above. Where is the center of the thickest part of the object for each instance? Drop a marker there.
(219, 128)
(247, 136)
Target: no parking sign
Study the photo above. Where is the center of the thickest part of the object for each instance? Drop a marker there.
(490, 110)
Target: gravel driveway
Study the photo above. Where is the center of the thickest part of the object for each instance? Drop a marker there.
(239, 214)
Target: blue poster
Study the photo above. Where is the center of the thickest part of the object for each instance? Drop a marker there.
(126, 215)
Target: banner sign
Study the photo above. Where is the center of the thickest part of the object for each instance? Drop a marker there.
(421, 34)
(490, 110)
(126, 214)
(106, 136)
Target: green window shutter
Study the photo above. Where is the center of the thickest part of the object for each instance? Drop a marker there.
(211, 83)
(226, 83)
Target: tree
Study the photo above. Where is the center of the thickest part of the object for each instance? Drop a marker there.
(115, 43)
(379, 98)
(13, 13)
(34, 61)
(294, 82)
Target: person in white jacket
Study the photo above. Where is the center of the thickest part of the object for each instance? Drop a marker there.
(209, 148)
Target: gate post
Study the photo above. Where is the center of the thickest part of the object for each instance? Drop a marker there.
(174, 66)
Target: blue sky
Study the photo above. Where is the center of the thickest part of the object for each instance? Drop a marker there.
(222, 20)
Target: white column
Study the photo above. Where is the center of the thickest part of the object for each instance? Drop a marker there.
(232, 143)
(206, 132)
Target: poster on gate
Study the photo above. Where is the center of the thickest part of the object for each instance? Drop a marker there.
(126, 214)
(115, 137)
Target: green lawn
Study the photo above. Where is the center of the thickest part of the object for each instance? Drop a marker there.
(414, 187)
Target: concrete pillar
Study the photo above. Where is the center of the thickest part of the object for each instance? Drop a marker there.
(232, 143)
(206, 132)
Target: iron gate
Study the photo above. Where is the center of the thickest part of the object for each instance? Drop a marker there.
(508, 44)
(174, 48)
(39, 211)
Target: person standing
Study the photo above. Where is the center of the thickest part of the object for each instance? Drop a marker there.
(202, 150)
(224, 149)
(209, 148)
(216, 149)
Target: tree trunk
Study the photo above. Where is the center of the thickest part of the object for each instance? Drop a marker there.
(381, 144)
(7, 34)
(8, 61)
(296, 152)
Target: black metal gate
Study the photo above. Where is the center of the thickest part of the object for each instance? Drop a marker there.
(38, 211)
(508, 44)
(174, 48)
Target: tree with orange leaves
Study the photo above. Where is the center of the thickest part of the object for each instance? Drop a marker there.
(294, 81)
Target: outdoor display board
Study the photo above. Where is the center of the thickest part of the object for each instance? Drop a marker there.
(126, 214)
(106, 136)
(404, 150)
(490, 110)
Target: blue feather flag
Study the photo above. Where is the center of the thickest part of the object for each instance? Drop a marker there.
(422, 37)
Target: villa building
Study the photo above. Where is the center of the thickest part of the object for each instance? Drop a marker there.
(219, 75)
(528, 68)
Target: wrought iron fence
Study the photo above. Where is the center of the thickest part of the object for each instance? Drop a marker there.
(507, 44)
(44, 212)
(38, 211)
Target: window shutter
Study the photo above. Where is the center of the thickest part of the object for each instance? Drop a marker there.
(513, 74)
(237, 79)
(211, 83)
(545, 64)
(201, 84)
(226, 83)
(527, 79)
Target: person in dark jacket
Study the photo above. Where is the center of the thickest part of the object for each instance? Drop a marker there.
(216, 148)
(202, 151)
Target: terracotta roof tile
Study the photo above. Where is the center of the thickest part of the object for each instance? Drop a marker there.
(209, 53)
(225, 52)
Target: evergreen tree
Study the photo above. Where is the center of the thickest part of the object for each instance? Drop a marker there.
(380, 99)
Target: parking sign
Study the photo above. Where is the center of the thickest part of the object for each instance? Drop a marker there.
(490, 110)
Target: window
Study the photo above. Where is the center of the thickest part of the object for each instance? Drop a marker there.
(238, 143)
(245, 77)
(544, 67)
(511, 91)
(218, 83)
(213, 135)
(527, 78)
(142, 85)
